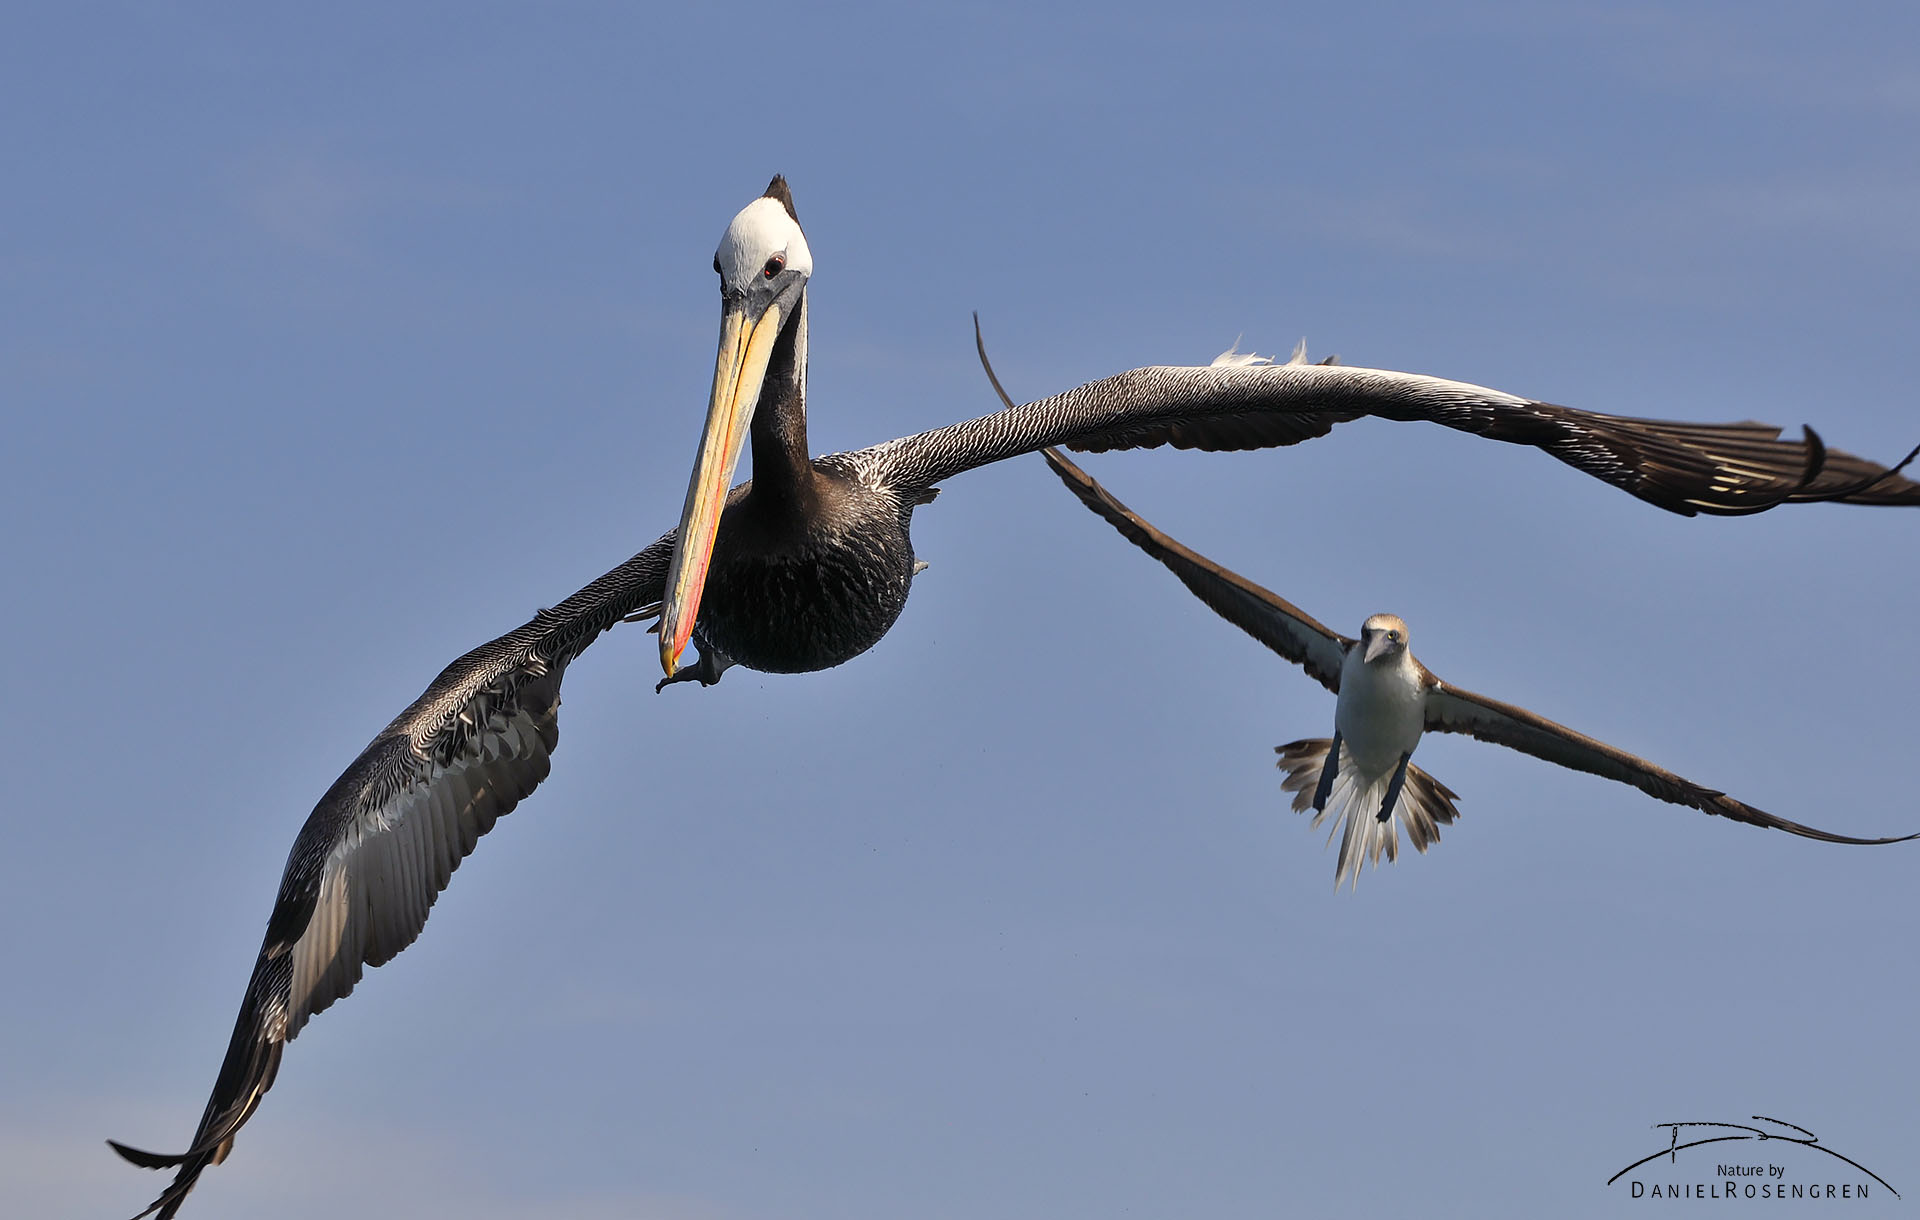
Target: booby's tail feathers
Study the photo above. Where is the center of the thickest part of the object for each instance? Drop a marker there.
(1353, 806)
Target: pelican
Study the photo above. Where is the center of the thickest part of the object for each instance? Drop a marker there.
(808, 566)
(1363, 778)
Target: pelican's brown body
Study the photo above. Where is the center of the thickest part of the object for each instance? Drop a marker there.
(799, 583)
(811, 562)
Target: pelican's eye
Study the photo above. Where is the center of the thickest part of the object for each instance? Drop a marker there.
(716, 265)
(775, 266)
(1394, 636)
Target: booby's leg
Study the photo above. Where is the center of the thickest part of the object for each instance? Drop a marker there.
(1328, 770)
(1394, 785)
(706, 671)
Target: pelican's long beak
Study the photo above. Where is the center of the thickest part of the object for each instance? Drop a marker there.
(739, 371)
(1377, 647)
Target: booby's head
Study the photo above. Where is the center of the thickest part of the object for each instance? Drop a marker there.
(764, 264)
(1384, 636)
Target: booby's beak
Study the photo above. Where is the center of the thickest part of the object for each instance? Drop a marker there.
(1377, 647)
(740, 370)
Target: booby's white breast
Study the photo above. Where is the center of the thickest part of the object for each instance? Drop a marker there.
(1381, 712)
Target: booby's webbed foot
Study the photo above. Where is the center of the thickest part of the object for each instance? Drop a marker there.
(706, 671)
(1328, 771)
(1394, 786)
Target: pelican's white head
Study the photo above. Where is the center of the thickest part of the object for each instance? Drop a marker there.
(1383, 635)
(763, 250)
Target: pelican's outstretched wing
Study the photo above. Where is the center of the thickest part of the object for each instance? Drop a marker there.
(1722, 469)
(1262, 614)
(383, 842)
(1452, 710)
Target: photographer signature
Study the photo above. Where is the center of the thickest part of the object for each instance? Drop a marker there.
(1804, 1138)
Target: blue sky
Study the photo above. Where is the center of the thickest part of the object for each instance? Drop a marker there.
(332, 346)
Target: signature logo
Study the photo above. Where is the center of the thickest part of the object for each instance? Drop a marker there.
(1720, 1133)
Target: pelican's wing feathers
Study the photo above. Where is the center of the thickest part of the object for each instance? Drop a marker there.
(387, 836)
(1687, 468)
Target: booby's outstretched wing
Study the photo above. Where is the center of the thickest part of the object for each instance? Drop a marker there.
(1261, 613)
(1686, 468)
(385, 839)
(1452, 710)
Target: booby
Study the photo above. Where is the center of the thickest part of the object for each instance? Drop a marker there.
(1363, 779)
(807, 566)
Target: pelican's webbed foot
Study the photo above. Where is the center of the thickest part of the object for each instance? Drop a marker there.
(706, 671)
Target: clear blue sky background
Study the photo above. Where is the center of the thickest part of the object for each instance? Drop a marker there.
(331, 345)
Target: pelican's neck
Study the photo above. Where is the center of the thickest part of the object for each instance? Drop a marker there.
(782, 466)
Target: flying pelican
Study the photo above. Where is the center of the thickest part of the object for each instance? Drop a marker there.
(1363, 777)
(808, 566)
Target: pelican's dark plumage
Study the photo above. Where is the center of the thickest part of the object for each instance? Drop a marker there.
(837, 576)
(387, 836)
(810, 564)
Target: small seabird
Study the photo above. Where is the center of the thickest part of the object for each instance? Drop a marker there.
(1363, 778)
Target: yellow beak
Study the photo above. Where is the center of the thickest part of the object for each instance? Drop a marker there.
(739, 372)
